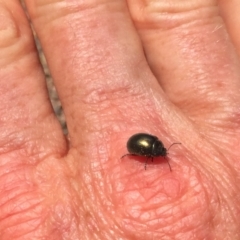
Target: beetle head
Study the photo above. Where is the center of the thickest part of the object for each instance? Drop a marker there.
(158, 149)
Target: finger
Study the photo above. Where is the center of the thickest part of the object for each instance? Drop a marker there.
(190, 52)
(230, 12)
(26, 116)
(95, 57)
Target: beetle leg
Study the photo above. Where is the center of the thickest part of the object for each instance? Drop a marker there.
(168, 164)
(128, 154)
(125, 155)
(145, 166)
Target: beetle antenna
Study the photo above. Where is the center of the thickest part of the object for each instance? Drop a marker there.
(172, 145)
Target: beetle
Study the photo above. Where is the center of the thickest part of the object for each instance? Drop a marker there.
(146, 145)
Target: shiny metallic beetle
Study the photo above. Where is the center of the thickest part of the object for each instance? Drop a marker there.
(146, 145)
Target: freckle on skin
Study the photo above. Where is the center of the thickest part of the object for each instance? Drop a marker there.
(171, 187)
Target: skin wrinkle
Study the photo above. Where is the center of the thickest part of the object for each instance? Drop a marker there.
(213, 167)
(165, 217)
(175, 6)
(165, 21)
(11, 207)
(100, 199)
(18, 221)
(10, 32)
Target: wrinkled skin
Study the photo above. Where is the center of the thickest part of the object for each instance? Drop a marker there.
(169, 68)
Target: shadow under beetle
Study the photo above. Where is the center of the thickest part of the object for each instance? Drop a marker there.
(146, 145)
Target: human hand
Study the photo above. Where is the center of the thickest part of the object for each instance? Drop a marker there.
(168, 68)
